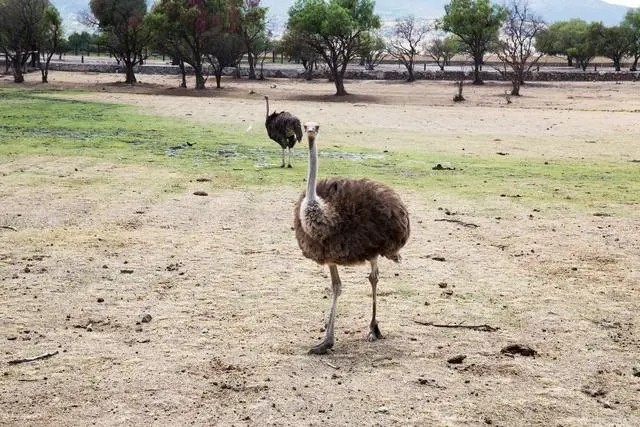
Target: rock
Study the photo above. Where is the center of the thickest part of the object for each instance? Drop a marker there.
(146, 318)
(456, 360)
(100, 299)
(200, 193)
(382, 410)
(522, 350)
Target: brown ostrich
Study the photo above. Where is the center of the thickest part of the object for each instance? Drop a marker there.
(284, 128)
(341, 221)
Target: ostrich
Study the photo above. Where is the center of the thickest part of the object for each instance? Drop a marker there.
(284, 128)
(341, 221)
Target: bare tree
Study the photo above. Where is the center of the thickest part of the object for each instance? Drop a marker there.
(408, 34)
(516, 46)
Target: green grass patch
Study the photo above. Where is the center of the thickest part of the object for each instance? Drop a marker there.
(34, 122)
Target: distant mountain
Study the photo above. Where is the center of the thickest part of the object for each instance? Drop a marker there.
(550, 10)
(389, 10)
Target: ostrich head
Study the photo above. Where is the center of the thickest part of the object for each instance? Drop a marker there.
(311, 129)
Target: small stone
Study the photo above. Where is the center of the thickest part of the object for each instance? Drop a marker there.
(443, 285)
(100, 299)
(12, 338)
(200, 193)
(456, 360)
(636, 371)
(146, 318)
(382, 410)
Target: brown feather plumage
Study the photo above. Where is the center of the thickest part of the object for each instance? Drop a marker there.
(364, 219)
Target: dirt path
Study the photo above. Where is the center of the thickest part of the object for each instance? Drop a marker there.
(234, 306)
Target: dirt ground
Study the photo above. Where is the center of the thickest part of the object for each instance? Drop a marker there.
(89, 248)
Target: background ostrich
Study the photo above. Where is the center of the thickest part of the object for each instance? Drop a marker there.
(284, 128)
(341, 221)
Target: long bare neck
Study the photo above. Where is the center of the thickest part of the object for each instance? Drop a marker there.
(266, 98)
(313, 169)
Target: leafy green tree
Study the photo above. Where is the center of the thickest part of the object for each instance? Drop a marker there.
(332, 28)
(191, 25)
(632, 22)
(516, 45)
(21, 26)
(442, 49)
(295, 47)
(615, 43)
(404, 44)
(224, 50)
(253, 28)
(476, 24)
(124, 31)
(585, 43)
(576, 39)
(373, 49)
(51, 40)
(78, 42)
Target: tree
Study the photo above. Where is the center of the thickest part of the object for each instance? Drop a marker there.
(79, 41)
(191, 25)
(576, 39)
(615, 43)
(632, 22)
(295, 47)
(21, 24)
(253, 28)
(373, 49)
(476, 24)
(516, 46)
(224, 50)
(51, 40)
(405, 41)
(442, 49)
(332, 28)
(125, 34)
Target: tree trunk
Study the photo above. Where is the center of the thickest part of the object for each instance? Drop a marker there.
(515, 87)
(634, 66)
(339, 82)
(477, 62)
(183, 72)
(252, 66)
(218, 78)
(16, 65)
(130, 75)
(412, 77)
(200, 81)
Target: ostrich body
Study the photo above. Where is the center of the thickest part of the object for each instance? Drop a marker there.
(284, 128)
(340, 221)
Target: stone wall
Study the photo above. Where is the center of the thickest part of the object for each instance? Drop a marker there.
(283, 72)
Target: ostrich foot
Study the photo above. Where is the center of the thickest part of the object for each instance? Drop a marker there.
(321, 348)
(289, 165)
(374, 333)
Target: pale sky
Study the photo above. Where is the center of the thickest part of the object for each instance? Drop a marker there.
(630, 3)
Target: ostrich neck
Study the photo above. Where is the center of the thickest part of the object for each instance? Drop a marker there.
(313, 170)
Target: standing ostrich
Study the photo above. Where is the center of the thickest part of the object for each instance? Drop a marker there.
(341, 221)
(284, 128)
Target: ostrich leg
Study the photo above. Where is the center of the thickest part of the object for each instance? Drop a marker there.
(336, 289)
(374, 331)
(289, 149)
(282, 165)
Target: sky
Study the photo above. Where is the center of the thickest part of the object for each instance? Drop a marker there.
(630, 3)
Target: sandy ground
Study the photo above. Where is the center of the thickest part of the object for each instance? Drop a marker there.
(89, 248)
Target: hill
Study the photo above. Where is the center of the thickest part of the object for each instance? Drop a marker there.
(389, 10)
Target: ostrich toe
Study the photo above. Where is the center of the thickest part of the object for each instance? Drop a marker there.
(321, 348)
(374, 333)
